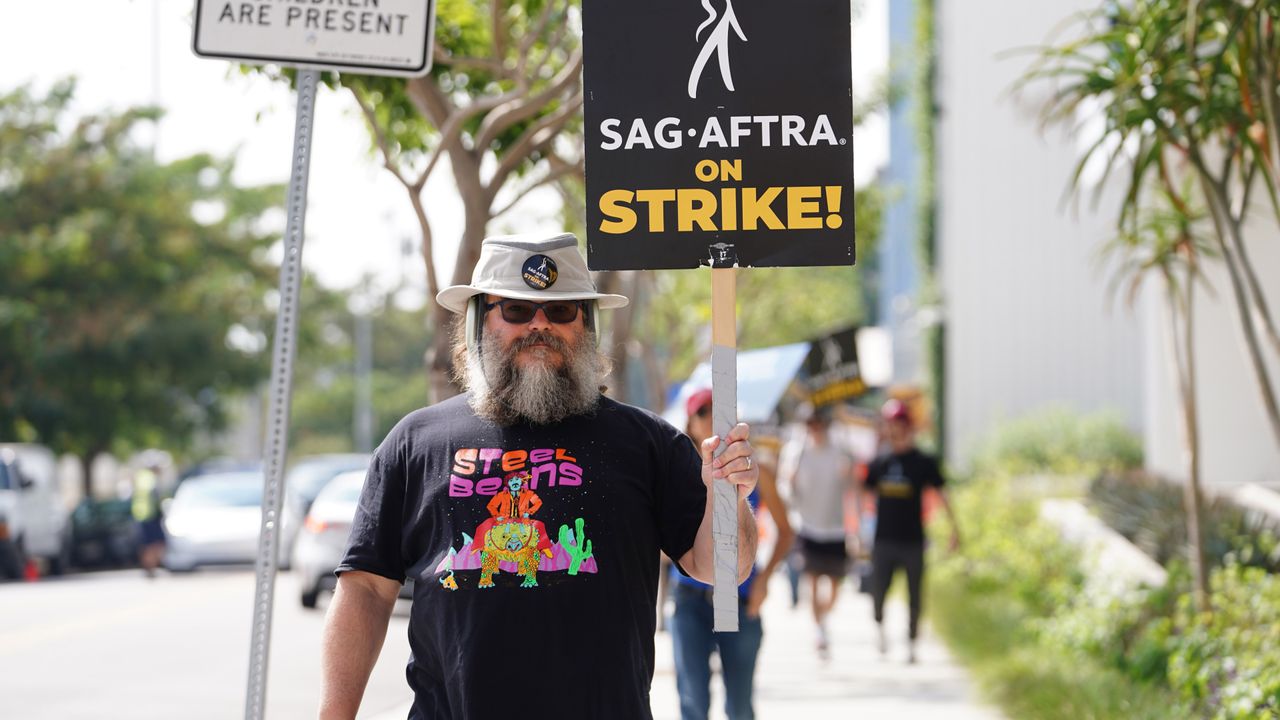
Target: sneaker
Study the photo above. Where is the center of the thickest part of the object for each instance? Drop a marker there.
(882, 641)
(824, 647)
(911, 652)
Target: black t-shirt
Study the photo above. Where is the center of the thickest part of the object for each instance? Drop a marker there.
(571, 639)
(899, 481)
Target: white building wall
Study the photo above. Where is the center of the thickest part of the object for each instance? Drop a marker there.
(1030, 320)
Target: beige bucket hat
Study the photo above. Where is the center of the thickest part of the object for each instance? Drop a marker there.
(531, 266)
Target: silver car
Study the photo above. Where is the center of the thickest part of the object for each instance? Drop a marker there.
(214, 519)
(323, 537)
(306, 478)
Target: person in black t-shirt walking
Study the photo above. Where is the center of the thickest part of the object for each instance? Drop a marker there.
(898, 478)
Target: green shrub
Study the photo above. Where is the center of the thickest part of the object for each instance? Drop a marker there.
(1059, 442)
(1130, 632)
(1223, 665)
(1007, 549)
(1044, 644)
(996, 602)
(1150, 513)
(1227, 663)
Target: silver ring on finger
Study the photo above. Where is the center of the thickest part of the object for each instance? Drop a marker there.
(748, 462)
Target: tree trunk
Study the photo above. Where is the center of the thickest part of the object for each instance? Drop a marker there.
(1225, 226)
(428, 242)
(439, 362)
(621, 322)
(86, 469)
(1183, 356)
(473, 232)
(440, 356)
(1261, 311)
(656, 375)
(86, 476)
(653, 364)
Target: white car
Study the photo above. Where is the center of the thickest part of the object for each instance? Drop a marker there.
(323, 538)
(33, 518)
(214, 519)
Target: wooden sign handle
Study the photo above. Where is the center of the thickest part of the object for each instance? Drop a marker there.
(724, 414)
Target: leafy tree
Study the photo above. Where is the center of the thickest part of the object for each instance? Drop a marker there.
(128, 287)
(324, 398)
(502, 104)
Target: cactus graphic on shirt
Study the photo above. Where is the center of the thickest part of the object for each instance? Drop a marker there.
(577, 549)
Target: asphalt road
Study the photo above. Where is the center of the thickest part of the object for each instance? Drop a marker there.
(118, 645)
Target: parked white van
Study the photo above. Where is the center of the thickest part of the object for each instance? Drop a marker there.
(33, 518)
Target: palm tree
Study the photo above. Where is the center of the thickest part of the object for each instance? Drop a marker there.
(1162, 243)
(1186, 90)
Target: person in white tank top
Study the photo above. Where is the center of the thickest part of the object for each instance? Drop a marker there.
(818, 475)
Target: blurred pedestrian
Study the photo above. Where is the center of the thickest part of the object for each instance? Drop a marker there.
(515, 622)
(145, 507)
(819, 475)
(691, 623)
(898, 479)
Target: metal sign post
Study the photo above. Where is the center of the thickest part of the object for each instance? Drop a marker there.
(283, 352)
(391, 38)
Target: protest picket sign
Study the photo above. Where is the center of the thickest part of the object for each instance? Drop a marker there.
(391, 37)
(831, 370)
(719, 134)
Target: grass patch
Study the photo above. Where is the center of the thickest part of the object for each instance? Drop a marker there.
(995, 638)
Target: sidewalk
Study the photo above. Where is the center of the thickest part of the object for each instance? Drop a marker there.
(857, 681)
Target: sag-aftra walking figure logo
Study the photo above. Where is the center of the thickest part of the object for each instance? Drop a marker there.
(717, 42)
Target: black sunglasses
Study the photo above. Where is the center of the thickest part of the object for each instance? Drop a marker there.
(520, 312)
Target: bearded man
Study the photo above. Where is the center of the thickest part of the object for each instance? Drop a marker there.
(617, 486)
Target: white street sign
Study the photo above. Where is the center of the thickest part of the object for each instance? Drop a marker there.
(373, 37)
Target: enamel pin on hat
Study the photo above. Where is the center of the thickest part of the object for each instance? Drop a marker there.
(539, 272)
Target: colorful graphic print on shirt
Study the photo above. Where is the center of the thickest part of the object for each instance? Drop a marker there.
(511, 539)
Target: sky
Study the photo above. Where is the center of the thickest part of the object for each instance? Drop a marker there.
(134, 52)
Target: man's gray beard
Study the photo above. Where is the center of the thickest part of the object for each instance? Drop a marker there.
(505, 393)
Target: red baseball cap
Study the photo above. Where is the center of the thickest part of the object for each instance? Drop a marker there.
(695, 402)
(896, 410)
